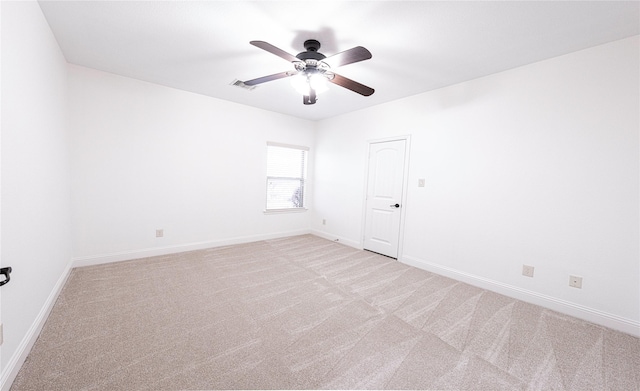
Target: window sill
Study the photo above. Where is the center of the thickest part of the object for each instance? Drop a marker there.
(281, 211)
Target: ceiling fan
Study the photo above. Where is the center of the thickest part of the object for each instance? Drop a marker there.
(313, 69)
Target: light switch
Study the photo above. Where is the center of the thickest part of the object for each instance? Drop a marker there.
(421, 182)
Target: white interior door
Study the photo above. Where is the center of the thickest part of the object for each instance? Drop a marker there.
(385, 179)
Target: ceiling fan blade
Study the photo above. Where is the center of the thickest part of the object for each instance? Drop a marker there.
(265, 79)
(274, 50)
(352, 85)
(348, 57)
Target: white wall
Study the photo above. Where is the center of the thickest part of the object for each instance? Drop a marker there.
(148, 157)
(36, 234)
(537, 165)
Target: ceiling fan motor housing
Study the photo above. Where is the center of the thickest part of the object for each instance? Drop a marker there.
(312, 46)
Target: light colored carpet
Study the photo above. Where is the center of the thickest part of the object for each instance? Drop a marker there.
(307, 313)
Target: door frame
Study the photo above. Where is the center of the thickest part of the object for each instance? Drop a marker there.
(405, 184)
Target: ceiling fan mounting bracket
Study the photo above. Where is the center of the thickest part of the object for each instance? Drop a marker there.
(311, 53)
(311, 45)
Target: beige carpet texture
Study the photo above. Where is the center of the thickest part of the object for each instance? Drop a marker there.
(307, 313)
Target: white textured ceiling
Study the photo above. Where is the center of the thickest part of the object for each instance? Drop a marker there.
(417, 46)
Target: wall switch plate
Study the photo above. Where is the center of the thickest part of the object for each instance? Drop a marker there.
(527, 270)
(575, 281)
(1, 334)
(324, 222)
(159, 233)
(421, 182)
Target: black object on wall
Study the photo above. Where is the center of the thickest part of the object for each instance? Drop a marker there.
(6, 271)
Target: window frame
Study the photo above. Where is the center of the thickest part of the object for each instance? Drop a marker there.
(302, 179)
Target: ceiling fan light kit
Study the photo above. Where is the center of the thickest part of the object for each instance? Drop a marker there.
(305, 82)
(313, 69)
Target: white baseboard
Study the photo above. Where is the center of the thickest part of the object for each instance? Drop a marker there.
(15, 362)
(615, 322)
(152, 252)
(339, 239)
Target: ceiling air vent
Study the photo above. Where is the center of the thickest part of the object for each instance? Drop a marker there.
(240, 83)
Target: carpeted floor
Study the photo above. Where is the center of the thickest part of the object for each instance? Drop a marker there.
(307, 313)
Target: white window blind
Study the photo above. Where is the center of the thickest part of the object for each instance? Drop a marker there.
(286, 175)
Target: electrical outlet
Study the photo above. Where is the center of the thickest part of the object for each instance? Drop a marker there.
(527, 270)
(575, 281)
(159, 233)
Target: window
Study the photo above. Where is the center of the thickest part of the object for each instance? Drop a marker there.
(286, 175)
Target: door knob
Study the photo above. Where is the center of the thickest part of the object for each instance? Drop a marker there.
(5, 271)
(395, 206)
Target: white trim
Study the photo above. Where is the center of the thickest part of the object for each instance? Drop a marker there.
(405, 192)
(274, 144)
(602, 318)
(339, 239)
(152, 252)
(284, 210)
(304, 166)
(387, 139)
(14, 364)
(405, 187)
